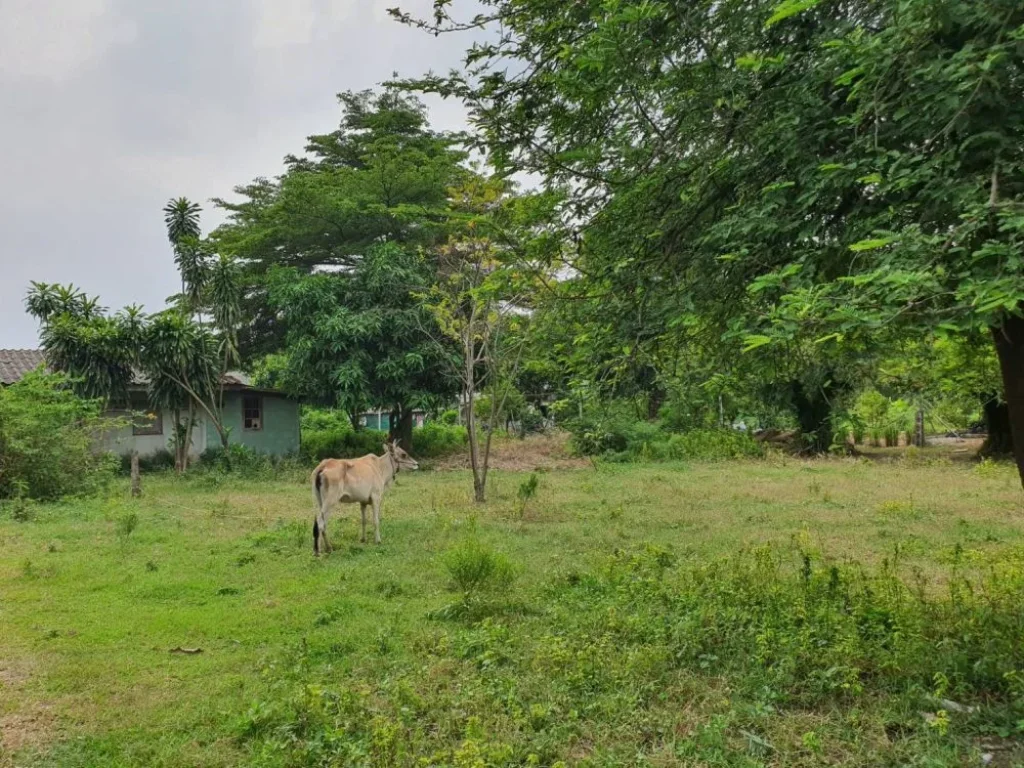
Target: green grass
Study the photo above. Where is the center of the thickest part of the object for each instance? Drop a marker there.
(597, 625)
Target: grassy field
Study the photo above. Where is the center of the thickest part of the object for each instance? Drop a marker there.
(583, 631)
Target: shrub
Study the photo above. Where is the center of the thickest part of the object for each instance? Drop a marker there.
(236, 458)
(340, 444)
(434, 439)
(620, 438)
(44, 429)
(474, 567)
(160, 461)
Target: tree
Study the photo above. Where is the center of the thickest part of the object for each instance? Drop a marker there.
(822, 172)
(356, 339)
(182, 358)
(486, 274)
(382, 177)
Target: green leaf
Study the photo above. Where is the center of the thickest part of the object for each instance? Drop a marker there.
(849, 76)
(871, 178)
(789, 8)
(753, 342)
(777, 186)
(872, 244)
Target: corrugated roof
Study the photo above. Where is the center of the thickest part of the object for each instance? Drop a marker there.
(15, 363)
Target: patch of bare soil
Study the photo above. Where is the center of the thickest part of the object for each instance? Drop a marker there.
(24, 728)
(543, 452)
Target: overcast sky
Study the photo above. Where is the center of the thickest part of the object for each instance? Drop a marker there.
(110, 107)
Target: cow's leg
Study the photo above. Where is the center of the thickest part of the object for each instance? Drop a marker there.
(325, 513)
(362, 511)
(376, 519)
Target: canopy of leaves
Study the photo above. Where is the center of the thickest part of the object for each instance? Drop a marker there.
(833, 166)
(360, 339)
(382, 176)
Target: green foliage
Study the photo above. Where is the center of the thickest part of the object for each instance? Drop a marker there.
(435, 439)
(47, 436)
(158, 461)
(381, 177)
(340, 444)
(449, 418)
(126, 525)
(360, 339)
(528, 488)
(238, 458)
(806, 181)
(878, 418)
(616, 434)
(474, 567)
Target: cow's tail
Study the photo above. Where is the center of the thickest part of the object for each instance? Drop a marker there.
(318, 499)
(318, 479)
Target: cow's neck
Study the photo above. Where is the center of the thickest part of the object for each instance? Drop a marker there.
(388, 469)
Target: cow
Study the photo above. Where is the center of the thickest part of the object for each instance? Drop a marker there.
(355, 481)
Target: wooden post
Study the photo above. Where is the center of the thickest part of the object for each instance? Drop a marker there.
(919, 428)
(136, 480)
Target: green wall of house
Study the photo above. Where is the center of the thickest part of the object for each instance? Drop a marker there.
(278, 434)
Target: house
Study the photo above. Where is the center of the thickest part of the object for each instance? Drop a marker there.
(382, 419)
(263, 419)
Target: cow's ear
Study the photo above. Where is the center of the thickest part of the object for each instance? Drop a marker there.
(387, 448)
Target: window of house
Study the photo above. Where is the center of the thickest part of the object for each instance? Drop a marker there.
(149, 422)
(252, 412)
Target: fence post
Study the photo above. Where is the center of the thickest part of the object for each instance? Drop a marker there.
(136, 480)
(919, 428)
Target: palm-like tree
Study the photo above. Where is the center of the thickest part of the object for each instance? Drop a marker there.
(181, 216)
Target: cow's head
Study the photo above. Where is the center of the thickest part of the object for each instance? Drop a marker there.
(401, 459)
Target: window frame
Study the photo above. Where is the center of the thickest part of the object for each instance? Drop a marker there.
(260, 410)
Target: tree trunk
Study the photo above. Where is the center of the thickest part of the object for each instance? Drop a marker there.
(998, 438)
(919, 440)
(189, 425)
(136, 482)
(1009, 340)
(655, 399)
(353, 417)
(178, 467)
(479, 489)
(813, 412)
(400, 427)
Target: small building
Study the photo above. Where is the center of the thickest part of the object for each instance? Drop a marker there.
(382, 419)
(263, 419)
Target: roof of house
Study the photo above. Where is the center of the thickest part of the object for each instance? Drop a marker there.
(15, 363)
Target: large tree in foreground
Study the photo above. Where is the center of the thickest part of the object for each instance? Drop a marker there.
(820, 171)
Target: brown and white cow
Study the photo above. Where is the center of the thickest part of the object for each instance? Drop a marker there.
(355, 481)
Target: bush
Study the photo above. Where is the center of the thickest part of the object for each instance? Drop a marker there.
(619, 436)
(160, 461)
(324, 420)
(47, 440)
(434, 439)
(236, 458)
(340, 444)
(474, 567)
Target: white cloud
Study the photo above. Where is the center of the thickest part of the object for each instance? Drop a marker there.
(284, 22)
(54, 39)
